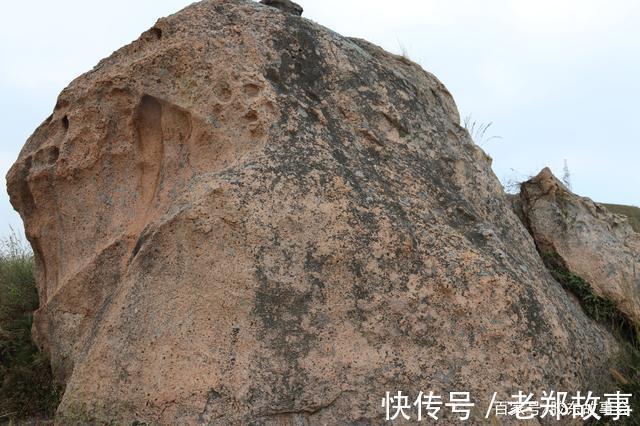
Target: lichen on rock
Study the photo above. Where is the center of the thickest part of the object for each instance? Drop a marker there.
(245, 217)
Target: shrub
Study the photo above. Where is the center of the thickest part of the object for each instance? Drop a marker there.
(26, 383)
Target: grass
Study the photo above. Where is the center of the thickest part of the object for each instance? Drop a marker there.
(26, 383)
(600, 309)
(403, 56)
(628, 377)
(478, 131)
(633, 213)
(627, 371)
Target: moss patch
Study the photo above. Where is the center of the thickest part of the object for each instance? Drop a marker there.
(600, 309)
(627, 371)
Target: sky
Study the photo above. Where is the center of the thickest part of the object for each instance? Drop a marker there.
(558, 79)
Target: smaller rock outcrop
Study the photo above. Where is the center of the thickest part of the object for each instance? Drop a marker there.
(284, 5)
(598, 246)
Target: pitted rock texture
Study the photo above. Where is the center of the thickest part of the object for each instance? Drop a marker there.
(244, 217)
(285, 5)
(593, 243)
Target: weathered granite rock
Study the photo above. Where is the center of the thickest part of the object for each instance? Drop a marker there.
(593, 243)
(285, 5)
(243, 217)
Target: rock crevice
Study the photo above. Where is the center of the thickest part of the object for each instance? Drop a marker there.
(585, 239)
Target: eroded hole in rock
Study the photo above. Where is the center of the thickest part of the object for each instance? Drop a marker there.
(138, 246)
(45, 157)
(53, 155)
(251, 90)
(156, 33)
(150, 143)
(222, 90)
(149, 113)
(60, 104)
(26, 196)
(65, 122)
(251, 116)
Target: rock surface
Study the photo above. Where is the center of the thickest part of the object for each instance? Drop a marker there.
(285, 5)
(245, 217)
(593, 243)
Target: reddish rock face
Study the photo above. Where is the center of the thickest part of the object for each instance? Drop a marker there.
(245, 217)
(591, 242)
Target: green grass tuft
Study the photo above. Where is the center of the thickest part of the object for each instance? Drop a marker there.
(26, 383)
(598, 308)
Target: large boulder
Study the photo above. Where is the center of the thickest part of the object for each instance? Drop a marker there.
(245, 217)
(591, 242)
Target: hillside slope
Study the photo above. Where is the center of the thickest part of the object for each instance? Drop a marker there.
(632, 212)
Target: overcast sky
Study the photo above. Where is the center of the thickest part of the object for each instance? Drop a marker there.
(559, 79)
